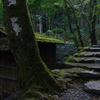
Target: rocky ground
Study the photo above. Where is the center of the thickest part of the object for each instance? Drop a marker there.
(82, 72)
(77, 92)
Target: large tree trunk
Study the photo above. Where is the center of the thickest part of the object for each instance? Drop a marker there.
(23, 45)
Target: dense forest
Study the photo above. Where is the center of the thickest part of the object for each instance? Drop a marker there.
(69, 20)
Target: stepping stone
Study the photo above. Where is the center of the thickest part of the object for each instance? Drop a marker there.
(88, 54)
(85, 60)
(97, 69)
(96, 46)
(92, 49)
(93, 87)
(89, 75)
(92, 66)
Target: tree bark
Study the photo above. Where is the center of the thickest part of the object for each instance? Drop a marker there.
(23, 45)
(93, 34)
(77, 25)
(70, 25)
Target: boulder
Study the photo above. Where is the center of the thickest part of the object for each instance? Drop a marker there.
(93, 87)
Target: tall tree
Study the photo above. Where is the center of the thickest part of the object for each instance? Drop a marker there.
(70, 25)
(33, 71)
(94, 17)
(77, 25)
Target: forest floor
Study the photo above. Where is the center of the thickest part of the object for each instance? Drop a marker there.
(77, 90)
(82, 72)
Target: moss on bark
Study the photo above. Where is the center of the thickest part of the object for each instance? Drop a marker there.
(33, 71)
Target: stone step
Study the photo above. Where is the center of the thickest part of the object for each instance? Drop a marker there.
(93, 87)
(85, 60)
(96, 46)
(92, 49)
(89, 74)
(87, 54)
(92, 66)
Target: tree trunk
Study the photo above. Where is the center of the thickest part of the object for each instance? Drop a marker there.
(70, 25)
(78, 29)
(77, 25)
(93, 34)
(33, 71)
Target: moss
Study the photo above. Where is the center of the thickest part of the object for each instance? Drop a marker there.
(82, 48)
(30, 94)
(69, 59)
(42, 37)
(79, 53)
(72, 70)
(45, 38)
(2, 27)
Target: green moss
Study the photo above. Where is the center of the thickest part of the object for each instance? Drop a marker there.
(69, 59)
(42, 37)
(2, 27)
(72, 70)
(82, 48)
(70, 63)
(45, 38)
(31, 94)
(79, 53)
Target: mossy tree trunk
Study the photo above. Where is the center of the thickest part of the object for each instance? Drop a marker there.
(23, 45)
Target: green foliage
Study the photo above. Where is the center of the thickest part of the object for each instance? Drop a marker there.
(52, 13)
(1, 12)
(57, 29)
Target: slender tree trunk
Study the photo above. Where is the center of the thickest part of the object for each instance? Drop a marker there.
(40, 25)
(78, 29)
(77, 25)
(33, 71)
(93, 34)
(49, 21)
(70, 26)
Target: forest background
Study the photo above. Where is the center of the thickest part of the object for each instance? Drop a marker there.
(69, 20)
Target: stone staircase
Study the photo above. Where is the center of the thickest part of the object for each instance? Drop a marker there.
(89, 59)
